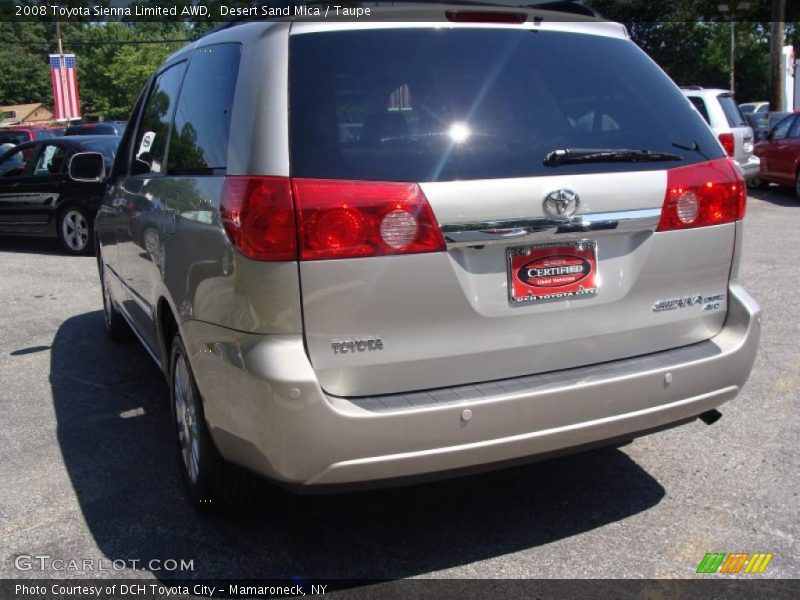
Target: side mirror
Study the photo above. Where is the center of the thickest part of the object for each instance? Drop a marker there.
(89, 167)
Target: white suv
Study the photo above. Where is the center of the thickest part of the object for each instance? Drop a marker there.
(720, 111)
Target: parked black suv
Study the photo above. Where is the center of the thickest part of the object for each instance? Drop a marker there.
(46, 189)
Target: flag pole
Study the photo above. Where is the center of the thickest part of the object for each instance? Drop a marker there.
(62, 72)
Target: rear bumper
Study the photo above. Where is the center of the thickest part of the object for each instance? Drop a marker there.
(750, 167)
(267, 412)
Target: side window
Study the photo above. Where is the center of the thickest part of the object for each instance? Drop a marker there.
(781, 129)
(700, 105)
(794, 132)
(13, 165)
(150, 144)
(51, 161)
(203, 118)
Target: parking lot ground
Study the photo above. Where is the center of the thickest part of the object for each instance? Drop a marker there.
(89, 469)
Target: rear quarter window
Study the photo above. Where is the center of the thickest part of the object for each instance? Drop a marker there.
(700, 105)
(429, 104)
(150, 145)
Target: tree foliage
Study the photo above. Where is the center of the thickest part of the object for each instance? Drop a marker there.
(114, 59)
(689, 39)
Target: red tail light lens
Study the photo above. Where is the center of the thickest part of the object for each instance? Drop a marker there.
(726, 139)
(258, 216)
(709, 193)
(348, 219)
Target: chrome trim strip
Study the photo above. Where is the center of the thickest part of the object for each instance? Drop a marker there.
(143, 304)
(128, 320)
(141, 339)
(459, 235)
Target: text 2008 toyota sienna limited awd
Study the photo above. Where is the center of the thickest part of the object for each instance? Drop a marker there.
(368, 251)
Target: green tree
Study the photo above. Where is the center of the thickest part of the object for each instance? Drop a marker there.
(24, 78)
(114, 60)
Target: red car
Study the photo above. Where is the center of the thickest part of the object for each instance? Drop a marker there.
(28, 133)
(780, 154)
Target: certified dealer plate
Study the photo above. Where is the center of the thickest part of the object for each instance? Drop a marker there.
(558, 271)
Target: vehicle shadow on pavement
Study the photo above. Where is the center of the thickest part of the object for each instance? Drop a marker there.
(115, 435)
(775, 194)
(31, 245)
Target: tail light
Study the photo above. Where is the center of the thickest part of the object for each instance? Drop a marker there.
(709, 193)
(258, 216)
(334, 219)
(347, 219)
(726, 139)
(482, 16)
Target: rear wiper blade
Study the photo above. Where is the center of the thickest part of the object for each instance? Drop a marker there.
(695, 147)
(566, 156)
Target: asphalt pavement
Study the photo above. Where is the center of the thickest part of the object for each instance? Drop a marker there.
(89, 469)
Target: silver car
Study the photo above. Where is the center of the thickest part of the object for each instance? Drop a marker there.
(719, 109)
(378, 251)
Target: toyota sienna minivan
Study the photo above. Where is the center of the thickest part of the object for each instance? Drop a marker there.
(377, 251)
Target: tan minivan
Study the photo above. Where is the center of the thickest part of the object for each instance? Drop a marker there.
(388, 249)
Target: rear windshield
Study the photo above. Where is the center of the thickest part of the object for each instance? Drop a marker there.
(106, 146)
(733, 115)
(91, 130)
(47, 134)
(428, 104)
(13, 137)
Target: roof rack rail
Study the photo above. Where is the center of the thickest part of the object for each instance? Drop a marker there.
(692, 87)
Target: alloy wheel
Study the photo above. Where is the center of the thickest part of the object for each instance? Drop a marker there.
(186, 418)
(75, 230)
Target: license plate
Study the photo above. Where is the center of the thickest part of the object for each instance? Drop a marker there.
(558, 271)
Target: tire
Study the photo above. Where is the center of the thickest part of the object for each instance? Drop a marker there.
(212, 483)
(75, 230)
(797, 184)
(757, 183)
(116, 327)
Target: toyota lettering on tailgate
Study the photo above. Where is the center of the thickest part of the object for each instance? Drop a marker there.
(552, 271)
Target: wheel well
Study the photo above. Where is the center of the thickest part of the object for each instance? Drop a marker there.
(167, 328)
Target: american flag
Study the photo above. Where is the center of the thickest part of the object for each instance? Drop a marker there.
(65, 86)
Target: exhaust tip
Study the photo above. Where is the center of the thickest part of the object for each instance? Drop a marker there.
(710, 417)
